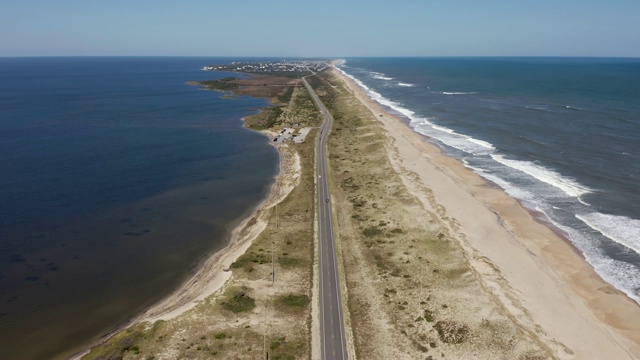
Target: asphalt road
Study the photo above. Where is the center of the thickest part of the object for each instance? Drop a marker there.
(334, 345)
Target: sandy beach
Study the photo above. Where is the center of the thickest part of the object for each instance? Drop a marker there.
(545, 285)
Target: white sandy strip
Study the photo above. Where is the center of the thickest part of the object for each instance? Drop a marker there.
(535, 274)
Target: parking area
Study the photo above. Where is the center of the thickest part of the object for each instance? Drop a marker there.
(292, 134)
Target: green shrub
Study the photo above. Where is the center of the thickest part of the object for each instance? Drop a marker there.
(294, 300)
(371, 231)
(239, 302)
(289, 262)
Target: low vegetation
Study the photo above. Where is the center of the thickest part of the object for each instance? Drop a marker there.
(295, 300)
(238, 302)
(267, 118)
(224, 84)
(401, 262)
(256, 306)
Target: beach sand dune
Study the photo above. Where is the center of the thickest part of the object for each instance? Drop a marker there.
(535, 274)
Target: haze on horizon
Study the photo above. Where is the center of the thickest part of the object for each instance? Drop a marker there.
(327, 28)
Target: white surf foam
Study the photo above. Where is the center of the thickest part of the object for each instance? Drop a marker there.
(538, 107)
(583, 202)
(379, 98)
(458, 93)
(622, 275)
(454, 139)
(567, 185)
(405, 84)
(514, 191)
(423, 126)
(481, 142)
(443, 129)
(621, 229)
(380, 76)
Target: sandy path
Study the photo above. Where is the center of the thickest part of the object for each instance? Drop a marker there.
(546, 286)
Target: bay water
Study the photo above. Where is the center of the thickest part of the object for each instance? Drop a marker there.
(116, 180)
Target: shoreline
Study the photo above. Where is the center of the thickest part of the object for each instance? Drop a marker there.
(538, 216)
(213, 272)
(521, 260)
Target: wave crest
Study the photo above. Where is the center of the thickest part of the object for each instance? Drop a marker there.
(458, 93)
(621, 229)
(567, 185)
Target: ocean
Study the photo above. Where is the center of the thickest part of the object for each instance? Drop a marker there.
(562, 135)
(116, 180)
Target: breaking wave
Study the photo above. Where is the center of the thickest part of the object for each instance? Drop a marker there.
(567, 185)
(557, 196)
(380, 76)
(621, 229)
(458, 93)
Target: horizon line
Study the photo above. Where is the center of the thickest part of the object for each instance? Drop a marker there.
(324, 57)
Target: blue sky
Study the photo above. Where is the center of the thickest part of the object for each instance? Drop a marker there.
(320, 28)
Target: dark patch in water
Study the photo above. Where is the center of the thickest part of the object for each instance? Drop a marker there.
(31, 278)
(17, 258)
(132, 233)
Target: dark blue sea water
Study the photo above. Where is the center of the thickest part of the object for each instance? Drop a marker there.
(116, 179)
(560, 134)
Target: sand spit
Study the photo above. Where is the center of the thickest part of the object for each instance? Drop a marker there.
(545, 286)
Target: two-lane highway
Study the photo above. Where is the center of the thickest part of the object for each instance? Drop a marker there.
(334, 345)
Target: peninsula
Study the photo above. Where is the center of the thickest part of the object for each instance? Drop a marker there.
(433, 261)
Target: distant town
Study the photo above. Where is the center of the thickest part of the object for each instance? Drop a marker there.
(270, 67)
